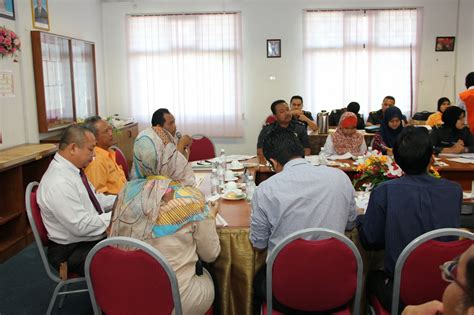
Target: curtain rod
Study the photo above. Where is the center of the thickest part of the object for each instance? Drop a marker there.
(358, 9)
(174, 14)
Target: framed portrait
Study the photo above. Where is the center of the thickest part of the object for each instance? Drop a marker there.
(40, 14)
(7, 9)
(445, 43)
(273, 48)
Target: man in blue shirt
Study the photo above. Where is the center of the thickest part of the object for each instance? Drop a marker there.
(402, 209)
(299, 196)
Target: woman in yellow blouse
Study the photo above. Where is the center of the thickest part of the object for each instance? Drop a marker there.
(435, 119)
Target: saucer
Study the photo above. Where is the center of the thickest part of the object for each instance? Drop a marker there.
(237, 168)
(227, 179)
(233, 196)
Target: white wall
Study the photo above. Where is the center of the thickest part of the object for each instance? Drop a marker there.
(262, 20)
(78, 19)
(104, 24)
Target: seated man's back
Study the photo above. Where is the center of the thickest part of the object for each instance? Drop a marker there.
(402, 209)
(301, 196)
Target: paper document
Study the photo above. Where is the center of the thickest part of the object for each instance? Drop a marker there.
(462, 160)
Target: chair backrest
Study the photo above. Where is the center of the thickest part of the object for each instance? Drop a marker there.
(417, 277)
(270, 119)
(202, 148)
(329, 275)
(132, 279)
(121, 160)
(40, 234)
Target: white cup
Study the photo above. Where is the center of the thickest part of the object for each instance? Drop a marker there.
(229, 175)
(236, 164)
(230, 186)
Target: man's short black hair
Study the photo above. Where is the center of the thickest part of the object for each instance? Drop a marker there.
(469, 273)
(274, 105)
(90, 122)
(73, 134)
(159, 117)
(469, 80)
(388, 97)
(413, 150)
(353, 107)
(282, 144)
(296, 97)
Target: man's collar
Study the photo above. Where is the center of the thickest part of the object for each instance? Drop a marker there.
(293, 162)
(65, 162)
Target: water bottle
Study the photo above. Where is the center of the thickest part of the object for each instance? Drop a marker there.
(220, 174)
(250, 188)
(323, 159)
(214, 182)
(222, 160)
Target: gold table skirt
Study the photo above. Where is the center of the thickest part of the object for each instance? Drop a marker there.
(238, 263)
(234, 270)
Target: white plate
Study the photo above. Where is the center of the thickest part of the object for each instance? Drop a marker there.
(237, 168)
(239, 197)
(231, 179)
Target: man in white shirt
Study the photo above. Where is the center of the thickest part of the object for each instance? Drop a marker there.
(75, 216)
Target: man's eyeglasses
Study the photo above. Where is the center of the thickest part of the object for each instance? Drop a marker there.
(449, 272)
(270, 166)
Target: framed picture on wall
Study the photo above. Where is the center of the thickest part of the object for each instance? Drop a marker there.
(7, 9)
(40, 14)
(273, 48)
(445, 43)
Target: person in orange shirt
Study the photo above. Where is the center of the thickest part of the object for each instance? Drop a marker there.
(466, 100)
(104, 173)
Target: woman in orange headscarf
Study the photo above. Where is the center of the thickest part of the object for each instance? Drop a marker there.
(346, 139)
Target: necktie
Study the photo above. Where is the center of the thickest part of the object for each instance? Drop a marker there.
(91, 194)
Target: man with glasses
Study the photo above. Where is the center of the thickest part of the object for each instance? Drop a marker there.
(458, 297)
(299, 196)
(402, 209)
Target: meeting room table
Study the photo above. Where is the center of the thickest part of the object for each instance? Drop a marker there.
(238, 262)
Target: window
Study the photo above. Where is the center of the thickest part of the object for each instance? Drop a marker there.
(362, 56)
(190, 64)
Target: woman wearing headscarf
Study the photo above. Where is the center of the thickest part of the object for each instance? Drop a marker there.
(161, 208)
(435, 119)
(390, 129)
(453, 136)
(346, 139)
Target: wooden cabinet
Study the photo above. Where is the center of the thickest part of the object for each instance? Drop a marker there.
(19, 166)
(65, 79)
(124, 138)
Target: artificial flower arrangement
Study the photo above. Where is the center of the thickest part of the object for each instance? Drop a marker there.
(377, 168)
(9, 43)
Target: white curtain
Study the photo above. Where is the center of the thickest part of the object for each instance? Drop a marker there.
(190, 64)
(362, 56)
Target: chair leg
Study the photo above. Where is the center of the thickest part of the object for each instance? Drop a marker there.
(53, 299)
(62, 298)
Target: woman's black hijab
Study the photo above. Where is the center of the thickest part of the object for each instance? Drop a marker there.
(451, 116)
(388, 134)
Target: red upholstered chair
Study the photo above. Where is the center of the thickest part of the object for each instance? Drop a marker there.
(131, 281)
(202, 148)
(417, 277)
(121, 160)
(270, 119)
(41, 238)
(315, 275)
